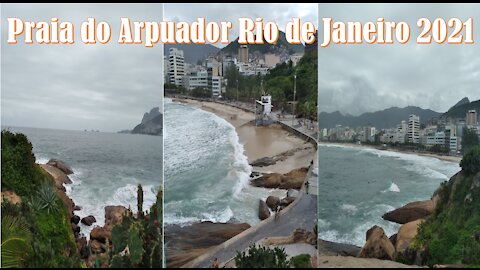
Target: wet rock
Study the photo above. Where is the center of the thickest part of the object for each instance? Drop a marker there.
(89, 220)
(287, 201)
(265, 161)
(393, 239)
(292, 180)
(114, 215)
(75, 228)
(75, 219)
(272, 202)
(263, 212)
(64, 167)
(58, 175)
(77, 208)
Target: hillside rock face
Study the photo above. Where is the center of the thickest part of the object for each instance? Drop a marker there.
(152, 124)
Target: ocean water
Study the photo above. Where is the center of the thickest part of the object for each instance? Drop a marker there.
(357, 186)
(206, 171)
(107, 167)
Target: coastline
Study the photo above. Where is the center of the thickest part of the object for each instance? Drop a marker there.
(423, 154)
(261, 141)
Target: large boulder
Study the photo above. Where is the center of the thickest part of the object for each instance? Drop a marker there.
(75, 228)
(114, 215)
(410, 212)
(265, 161)
(405, 235)
(287, 201)
(292, 180)
(263, 212)
(292, 193)
(75, 219)
(378, 245)
(272, 202)
(58, 175)
(302, 235)
(89, 220)
(101, 234)
(64, 167)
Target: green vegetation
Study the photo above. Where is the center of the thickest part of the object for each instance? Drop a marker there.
(460, 111)
(279, 83)
(137, 242)
(36, 232)
(262, 257)
(469, 139)
(450, 234)
(301, 261)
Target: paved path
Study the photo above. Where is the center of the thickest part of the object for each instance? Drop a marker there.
(301, 214)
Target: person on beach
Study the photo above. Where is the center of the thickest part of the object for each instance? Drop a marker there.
(215, 263)
(277, 211)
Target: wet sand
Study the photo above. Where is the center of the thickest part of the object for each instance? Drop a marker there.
(261, 141)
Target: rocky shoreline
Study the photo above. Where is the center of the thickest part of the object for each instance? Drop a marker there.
(183, 244)
(99, 236)
(398, 247)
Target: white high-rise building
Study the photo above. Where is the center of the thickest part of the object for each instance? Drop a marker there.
(176, 66)
(413, 132)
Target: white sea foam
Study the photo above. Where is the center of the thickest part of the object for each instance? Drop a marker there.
(41, 160)
(393, 188)
(349, 208)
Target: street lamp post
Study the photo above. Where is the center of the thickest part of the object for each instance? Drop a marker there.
(294, 94)
(237, 90)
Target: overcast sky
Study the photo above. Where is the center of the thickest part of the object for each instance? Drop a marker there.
(363, 78)
(105, 87)
(218, 12)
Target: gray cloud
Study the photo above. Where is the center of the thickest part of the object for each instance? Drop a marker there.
(106, 87)
(362, 78)
(279, 13)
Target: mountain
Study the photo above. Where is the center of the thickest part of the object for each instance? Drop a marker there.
(387, 118)
(193, 52)
(232, 47)
(152, 123)
(459, 111)
(463, 101)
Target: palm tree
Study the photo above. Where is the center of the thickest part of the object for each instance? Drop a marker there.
(15, 238)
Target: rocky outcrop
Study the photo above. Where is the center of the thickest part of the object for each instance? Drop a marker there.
(287, 201)
(101, 234)
(410, 212)
(75, 219)
(292, 180)
(263, 212)
(337, 249)
(405, 235)
(114, 215)
(11, 196)
(97, 247)
(88, 220)
(304, 236)
(262, 162)
(64, 167)
(272, 202)
(378, 245)
(58, 175)
(83, 247)
(188, 242)
(151, 125)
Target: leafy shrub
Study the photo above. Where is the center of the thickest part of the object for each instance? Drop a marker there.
(262, 257)
(471, 161)
(15, 238)
(301, 261)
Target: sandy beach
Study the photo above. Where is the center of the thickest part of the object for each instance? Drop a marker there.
(453, 159)
(261, 141)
